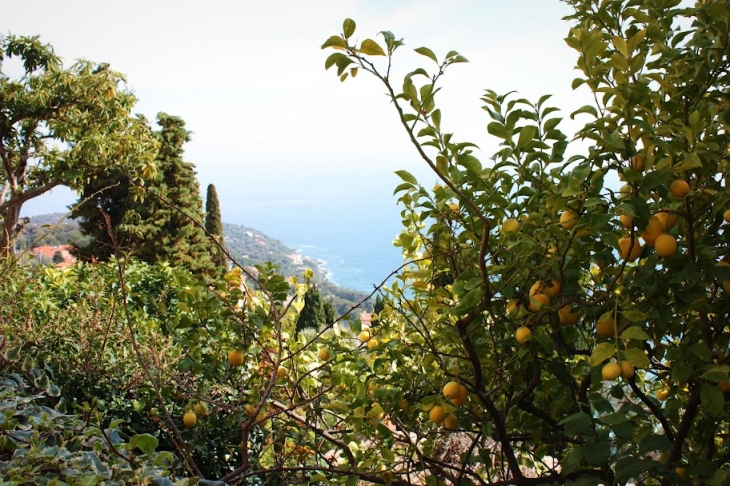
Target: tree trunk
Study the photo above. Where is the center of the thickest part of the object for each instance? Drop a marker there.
(10, 229)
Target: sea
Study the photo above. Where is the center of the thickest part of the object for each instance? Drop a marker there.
(348, 225)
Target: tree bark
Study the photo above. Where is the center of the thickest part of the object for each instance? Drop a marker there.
(9, 228)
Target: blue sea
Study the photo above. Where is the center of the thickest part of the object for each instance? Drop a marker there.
(349, 225)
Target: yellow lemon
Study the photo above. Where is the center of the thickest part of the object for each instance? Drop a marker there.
(653, 231)
(324, 354)
(627, 369)
(606, 327)
(437, 414)
(567, 316)
(679, 188)
(630, 248)
(626, 221)
(201, 409)
(190, 419)
(568, 219)
(235, 358)
(451, 390)
(611, 371)
(510, 225)
(523, 334)
(451, 422)
(665, 245)
(461, 398)
(539, 300)
(667, 219)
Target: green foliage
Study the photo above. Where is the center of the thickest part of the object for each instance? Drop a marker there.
(157, 223)
(214, 226)
(441, 391)
(41, 445)
(659, 76)
(313, 314)
(58, 126)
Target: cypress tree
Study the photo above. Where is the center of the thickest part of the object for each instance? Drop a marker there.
(377, 309)
(330, 313)
(313, 313)
(150, 228)
(214, 226)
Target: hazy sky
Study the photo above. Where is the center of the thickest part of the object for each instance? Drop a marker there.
(249, 80)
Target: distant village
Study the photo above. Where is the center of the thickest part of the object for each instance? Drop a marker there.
(58, 256)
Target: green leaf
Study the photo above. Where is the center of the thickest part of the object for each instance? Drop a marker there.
(635, 332)
(28, 363)
(614, 418)
(712, 399)
(42, 382)
(348, 28)
(578, 424)
(653, 443)
(621, 47)
(13, 354)
(436, 119)
(335, 58)
(701, 351)
(498, 130)
(527, 134)
(470, 162)
(387, 454)
(144, 442)
(584, 109)
(635, 316)
(406, 176)
(334, 41)
(637, 357)
(371, 48)
(351, 481)
(632, 467)
(551, 123)
(614, 140)
(597, 453)
(602, 352)
(425, 51)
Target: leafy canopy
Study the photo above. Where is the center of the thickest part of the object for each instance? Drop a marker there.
(59, 126)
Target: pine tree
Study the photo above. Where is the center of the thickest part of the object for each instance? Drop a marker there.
(158, 227)
(214, 226)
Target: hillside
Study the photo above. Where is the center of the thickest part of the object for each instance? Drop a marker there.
(247, 245)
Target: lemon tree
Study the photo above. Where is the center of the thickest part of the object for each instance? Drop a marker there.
(618, 381)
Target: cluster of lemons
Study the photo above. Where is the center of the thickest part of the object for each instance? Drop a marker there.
(458, 395)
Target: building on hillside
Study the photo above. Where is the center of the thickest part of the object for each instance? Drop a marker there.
(45, 255)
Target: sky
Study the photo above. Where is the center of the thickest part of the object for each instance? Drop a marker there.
(249, 79)
(277, 134)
